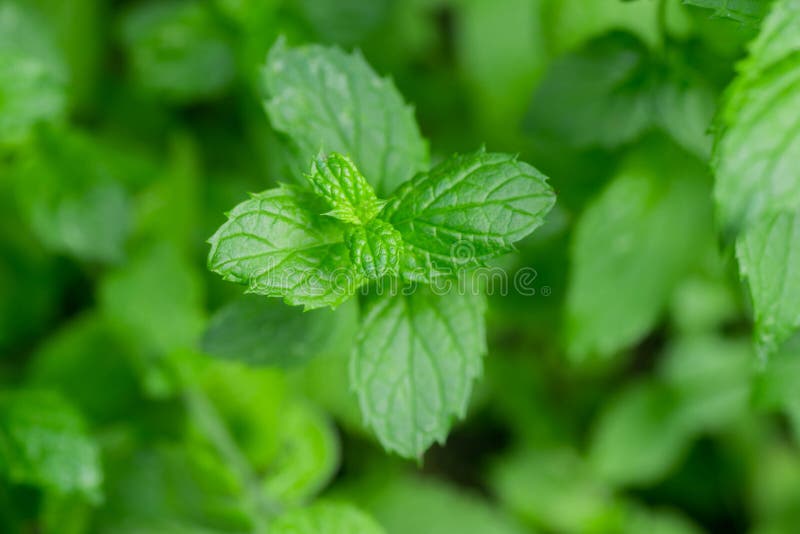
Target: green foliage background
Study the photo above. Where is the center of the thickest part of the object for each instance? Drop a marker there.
(651, 382)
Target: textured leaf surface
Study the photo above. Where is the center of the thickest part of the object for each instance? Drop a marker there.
(466, 210)
(757, 153)
(375, 248)
(339, 183)
(325, 99)
(326, 518)
(33, 76)
(769, 259)
(630, 248)
(43, 442)
(414, 363)
(278, 246)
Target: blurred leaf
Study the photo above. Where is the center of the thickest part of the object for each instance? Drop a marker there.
(110, 390)
(172, 489)
(748, 11)
(29, 280)
(345, 22)
(640, 436)
(770, 262)
(438, 507)
(711, 375)
(326, 518)
(33, 76)
(757, 144)
(502, 52)
(596, 96)
(612, 90)
(178, 49)
(308, 457)
(553, 490)
(324, 99)
(414, 363)
(78, 26)
(573, 22)
(43, 442)
(72, 192)
(630, 248)
(156, 300)
(262, 331)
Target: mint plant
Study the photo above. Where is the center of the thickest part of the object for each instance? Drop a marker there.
(315, 245)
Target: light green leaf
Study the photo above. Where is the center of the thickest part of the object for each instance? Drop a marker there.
(756, 153)
(375, 248)
(177, 49)
(43, 441)
(711, 376)
(466, 210)
(631, 246)
(261, 331)
(324, 99)
(33, 75)
(326, 518)
(769, 259)
(414, 363)
(337, 181)
(278, 245)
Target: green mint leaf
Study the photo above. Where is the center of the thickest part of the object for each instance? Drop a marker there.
(178, 49)
(326, 518)
(277, 245)
(747, 11)
(415, 359)
(466, 210)
(757, 152)
(339, 183)
(769, 259)
(33, 75)
(375, 248)
(43, 441)
(260, 331)
(624, 264)
(325, 99)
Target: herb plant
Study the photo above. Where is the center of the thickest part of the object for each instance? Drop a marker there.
(417, 351)
(387, 337)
